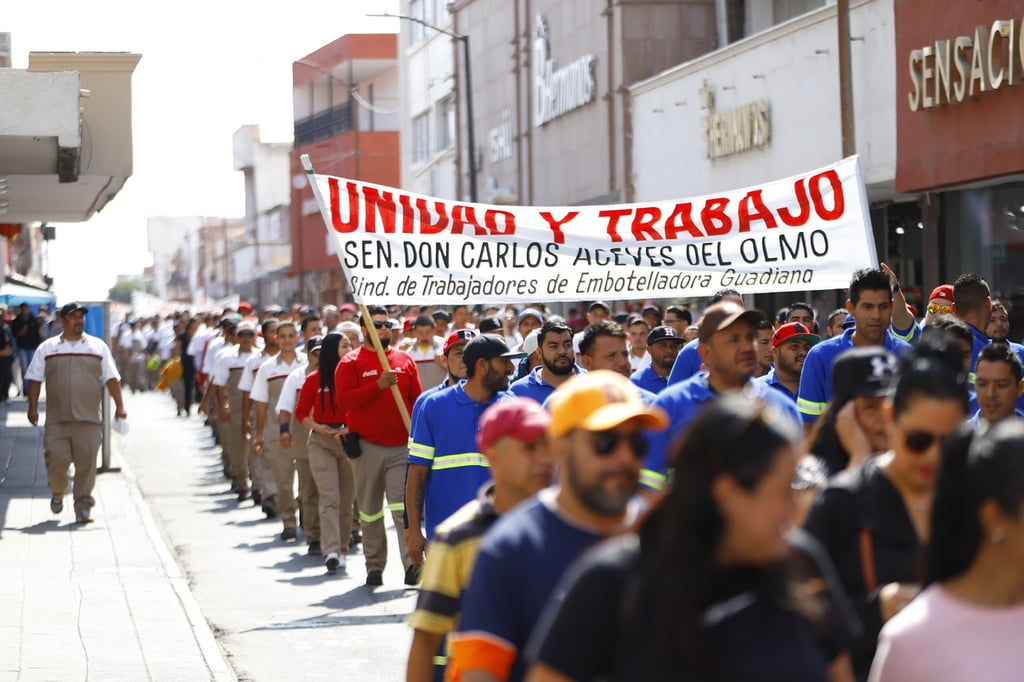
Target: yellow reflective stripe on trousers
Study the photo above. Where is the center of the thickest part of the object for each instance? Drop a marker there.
(396, 507)
(809, 408)
(462, 459)
(370, 518)
(421, 451)
(441, 660)
(652, 479)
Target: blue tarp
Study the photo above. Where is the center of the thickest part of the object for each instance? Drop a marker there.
(16, 294)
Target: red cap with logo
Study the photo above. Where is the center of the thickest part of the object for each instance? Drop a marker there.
(521, 418)
(458, 336)
(943, 291)
(794, 330)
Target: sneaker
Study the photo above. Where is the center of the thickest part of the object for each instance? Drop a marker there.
(269, 507)
(355, 540)
(412, 575)
(83, 516)
(375, 578)
(257, 496)
(57, 504)
(314, 548)
(334, 562)
(289, 533)
(242, 495)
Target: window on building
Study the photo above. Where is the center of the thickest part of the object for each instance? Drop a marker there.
(417, 10)
(421, 149)
(440, 14)
(446, 124)
(784, 10)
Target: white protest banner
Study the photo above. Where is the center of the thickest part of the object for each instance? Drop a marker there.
(807, 232)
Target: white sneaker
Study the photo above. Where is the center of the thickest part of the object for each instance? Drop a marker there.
(334, 562)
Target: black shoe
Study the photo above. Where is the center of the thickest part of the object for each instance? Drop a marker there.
(412, 575)
(314, 548)
(269, 507)
(375, 578)
(356, 539)
(57, 504)
(288, 533)
(333, 563)
(243, 495)
(257, 496)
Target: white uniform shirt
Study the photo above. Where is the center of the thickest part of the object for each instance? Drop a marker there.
(56, 345)
(228, 358)
(270, 370)
(290, 390)
(257, 359)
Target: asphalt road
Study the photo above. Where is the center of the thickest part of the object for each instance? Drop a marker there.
(273, 609)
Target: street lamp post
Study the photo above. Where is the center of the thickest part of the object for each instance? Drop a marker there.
(471, 138)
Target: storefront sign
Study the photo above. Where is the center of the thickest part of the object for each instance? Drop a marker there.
(805, 232)
(954, 69)
(735, 130)
(557, 91)
(500, 138)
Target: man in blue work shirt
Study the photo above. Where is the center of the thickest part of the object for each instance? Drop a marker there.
(727, 348)
(663, 344)
(790, 345)
(445, 469)
(870, 305)
(557, 363)
(688, 361)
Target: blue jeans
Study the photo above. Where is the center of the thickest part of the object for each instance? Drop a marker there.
(25, 358)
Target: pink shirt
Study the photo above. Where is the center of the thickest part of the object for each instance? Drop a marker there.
(940, 637)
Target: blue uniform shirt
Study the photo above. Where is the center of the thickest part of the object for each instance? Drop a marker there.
(532, 386)
(444, 440)
(980, 341)
(687, 363)
(650, 380)
(683, 402)
(770, 379)
(816, 376)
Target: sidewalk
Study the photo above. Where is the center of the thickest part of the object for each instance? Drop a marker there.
(102, 601)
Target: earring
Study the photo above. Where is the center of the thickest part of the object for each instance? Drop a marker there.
(997, 535)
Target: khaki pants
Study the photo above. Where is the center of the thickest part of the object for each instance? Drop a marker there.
(261, 471)
(380, 470)
(283, 468)
(238, 450)
(65, 443)
(336, 487)
(309, 498)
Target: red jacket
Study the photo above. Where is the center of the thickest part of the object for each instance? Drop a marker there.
(309, 403)
(371, 412)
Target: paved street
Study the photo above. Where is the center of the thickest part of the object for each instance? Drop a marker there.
(175, 580)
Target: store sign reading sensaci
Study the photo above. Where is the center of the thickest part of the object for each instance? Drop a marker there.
(557, 91)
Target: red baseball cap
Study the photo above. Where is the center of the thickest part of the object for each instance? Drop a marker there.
(794, 330)
(347, 306)
(458, 336)
(245, 307)
(943, 291)
(520, 418)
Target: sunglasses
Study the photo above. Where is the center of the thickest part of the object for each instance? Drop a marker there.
(245, 335)
(607, 442)
(379, 325)
(919, 442)
(935, 309)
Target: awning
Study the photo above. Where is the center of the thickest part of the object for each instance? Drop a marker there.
(15, 295)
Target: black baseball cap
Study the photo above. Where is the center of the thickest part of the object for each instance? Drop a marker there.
(489, 324)
(664, 333)
(69, 308)
(488, 347)
(442, 314)
(868, 371)
(314, 344)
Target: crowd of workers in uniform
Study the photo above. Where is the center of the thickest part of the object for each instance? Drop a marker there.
(632, 496)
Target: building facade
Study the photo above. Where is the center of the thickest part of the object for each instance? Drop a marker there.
(345, 98)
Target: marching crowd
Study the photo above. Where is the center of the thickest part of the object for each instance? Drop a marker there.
(632, 496)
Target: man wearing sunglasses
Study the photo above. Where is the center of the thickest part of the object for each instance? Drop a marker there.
(597, 440)
(227, 375)
(363, 391)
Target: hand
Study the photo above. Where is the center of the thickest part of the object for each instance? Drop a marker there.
(851, 435)
(119, 413)
(257, 444)
(417, 544)
(33, 416)
(894, 596)
(387, 379)
(286, 440)
(893, 279)
(246, 431)
(225, 414)
(201, 409)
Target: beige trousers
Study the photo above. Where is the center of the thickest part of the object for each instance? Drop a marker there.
(336, 487)
(379, 471)
(67, 443)
(282, 466)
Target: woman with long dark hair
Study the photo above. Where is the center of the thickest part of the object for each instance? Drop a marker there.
(873, 520)
(967, 623)
(710, 586)
(317, 409)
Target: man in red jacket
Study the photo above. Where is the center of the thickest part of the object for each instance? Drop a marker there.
(378, 438)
